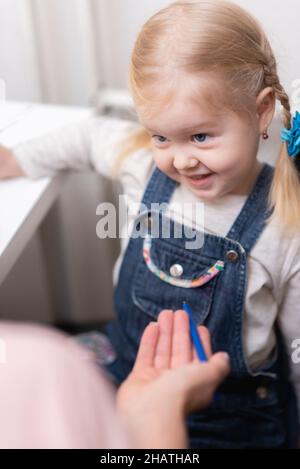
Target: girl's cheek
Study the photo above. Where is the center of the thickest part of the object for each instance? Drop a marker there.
(162, 161)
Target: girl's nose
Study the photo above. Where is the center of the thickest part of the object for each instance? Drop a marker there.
(183, 162)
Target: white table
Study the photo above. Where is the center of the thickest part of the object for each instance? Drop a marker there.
(24, 203)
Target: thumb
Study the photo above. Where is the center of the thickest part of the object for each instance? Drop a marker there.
(207, 374)
(202, 379)
(220, 363)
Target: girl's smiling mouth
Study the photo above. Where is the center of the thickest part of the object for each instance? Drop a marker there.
(200, 181)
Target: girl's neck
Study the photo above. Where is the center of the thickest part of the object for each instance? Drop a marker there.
(246, 186)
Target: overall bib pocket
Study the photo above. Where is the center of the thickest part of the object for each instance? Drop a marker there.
(153, 288)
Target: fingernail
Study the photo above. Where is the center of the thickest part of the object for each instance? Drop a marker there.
(225, 356)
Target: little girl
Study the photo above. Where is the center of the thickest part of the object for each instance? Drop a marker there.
(204, 81)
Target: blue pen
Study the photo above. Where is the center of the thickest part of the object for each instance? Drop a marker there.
(195, 335)
(197, 343)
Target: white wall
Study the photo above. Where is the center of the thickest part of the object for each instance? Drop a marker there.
(18, 60)
(117, 24)
(65, 49)
(281, 22)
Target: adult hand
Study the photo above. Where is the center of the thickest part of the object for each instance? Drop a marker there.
(168, 381)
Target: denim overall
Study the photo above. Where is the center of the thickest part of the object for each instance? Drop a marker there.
(253, 410)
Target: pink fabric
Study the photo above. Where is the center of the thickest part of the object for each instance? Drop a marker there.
(52, 395)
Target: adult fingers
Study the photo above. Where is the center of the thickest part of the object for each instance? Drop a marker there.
(181, 341)
(162, 357)
(147, 349)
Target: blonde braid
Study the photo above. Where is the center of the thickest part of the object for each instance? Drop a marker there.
(282, 96)
(271, 79)
(285, 190)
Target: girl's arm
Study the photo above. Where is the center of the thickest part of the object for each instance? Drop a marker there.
(82, 146)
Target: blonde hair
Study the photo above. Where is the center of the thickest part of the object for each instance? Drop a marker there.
(211, 36)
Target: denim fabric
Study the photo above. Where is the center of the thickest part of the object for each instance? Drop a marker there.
(252, 408)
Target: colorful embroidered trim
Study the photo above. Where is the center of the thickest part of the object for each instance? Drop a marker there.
(184, 283)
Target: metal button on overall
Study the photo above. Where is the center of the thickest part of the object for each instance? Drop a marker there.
(176, 270)
(262, 392)
(232, 256)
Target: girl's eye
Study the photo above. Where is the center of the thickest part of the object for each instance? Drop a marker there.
(159, 138)
(200, 136)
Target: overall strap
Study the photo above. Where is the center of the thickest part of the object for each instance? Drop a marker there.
(159, 188)
(252, 218)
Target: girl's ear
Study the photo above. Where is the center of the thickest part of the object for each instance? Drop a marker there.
(265, 108)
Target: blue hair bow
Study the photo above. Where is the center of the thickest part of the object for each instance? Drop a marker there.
(292, 136)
